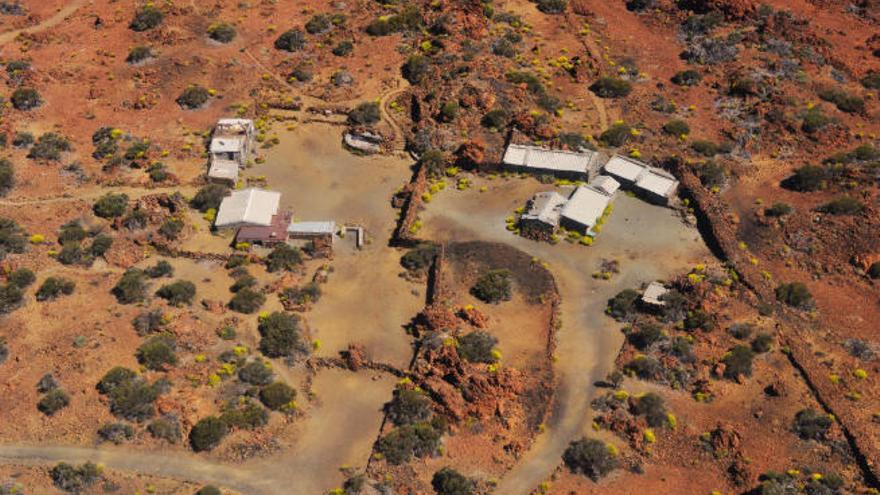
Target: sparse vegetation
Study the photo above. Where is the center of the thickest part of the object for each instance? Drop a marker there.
(54, 401)
(25, 99)
(111, 205)
(623, 305)
(611, 87)
(794, 294)
(277, 395)
(222, 32)
(281, 335)
(132, 287)
(448, 481)
(158, 352)
(843, 205)
(207, 433)
(209, 197)
(247, 301)
(408, 406)
(478, 347)
(292, 40)
(589, 457)
(283, 257)
(146, 18)
(75, 479)
(7, 176)
(53, 287)
(193, 97)
(178, 293)
(494, 287)
(738, 362)
(414, 440)
(366, 113)
(138, 54)
(811, 425)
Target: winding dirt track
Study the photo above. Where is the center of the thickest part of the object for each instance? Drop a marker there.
(48, 23)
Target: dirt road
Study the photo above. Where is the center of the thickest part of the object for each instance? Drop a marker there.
(62, 14)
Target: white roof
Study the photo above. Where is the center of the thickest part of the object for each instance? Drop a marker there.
(546, 207)
(625, 168)
(328, 227)
(654, 292)
(585, 206)
(606, 184)
(235, 126)
(224, 169)
(231, 144)
(657, 182)
(234, 122)
(249, 206)
(545, 159)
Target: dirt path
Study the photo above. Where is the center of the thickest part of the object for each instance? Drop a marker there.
(48, 23)
(92, 194)
(399, 137)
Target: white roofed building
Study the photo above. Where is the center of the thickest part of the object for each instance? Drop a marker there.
(606, 184)
(654, 293)
(582, 165)
(584, 208)
(248, 207)
(625, 170)
(653, 184)
(231, 147)
(541, 218)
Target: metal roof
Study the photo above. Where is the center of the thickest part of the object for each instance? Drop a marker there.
(249, 206)
(585, 205)
(625, 168)
(223, 169)
(233, 144)
(547, 159)
(606, 184)
(654, 292)
(326, 227)
(545, 207)
(234, 126)
(657, 182)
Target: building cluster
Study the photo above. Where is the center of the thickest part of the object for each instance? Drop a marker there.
(583, 209)
(255, 214)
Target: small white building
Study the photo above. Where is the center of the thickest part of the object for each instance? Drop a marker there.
(231, 147)
(311, 230)
(583, 165)
(253, 207)
(606, 184)
(584, 208)
(541, 218)
(654, 293)
(653, 184)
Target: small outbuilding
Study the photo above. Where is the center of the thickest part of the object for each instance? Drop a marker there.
(625, 170)
(653, 294)
(312, 230)
(575, 165)
(251, 206)
(605, 184)
(651, 183)
(584, 208)
(541, 218)
(231, 147)
(268, 235)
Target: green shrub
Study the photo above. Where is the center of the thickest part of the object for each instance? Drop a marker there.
(645, 335)
(171, 228)
(100, 245)
(49, 147)
(779, 209)
(319, 24)
(54, 401)
(652, 407)
(366, 113)
(419, 258)
(277, 395)
(178, 293)
(71, 254)
(116, 377)
(738, 362)
(589, 457)
(116, 432)
(687, 78)
(302, 296)
(283, 257)
(158, 352)
(209, 490)
(247, 415)
(449, 111)
(343, 48)
(645, 367)
(611, 87)
(811, 425)
(794, 294)
(874, 270)
(814, 119)
(53, 287)
(677, 128)
(871, 80)
(712, 174)
(7, 176)
(448, 481)
(247, 301)
(408, 19)
(138, 54)
(111, 205)
(843, 205)
(207, 433)
(131, 288)
(146, 18)
(495, 119)
(21, 278)
(131, 397)
(708, 148)
(12, 238)
(4, 347)
(698, 320)
(25, 99)
(844, 101)
(149, 322)
(165, 428)
(222, 32)
(22, 139)
(408, 406)
(552, 6)
(404, 442)
(762, 343)
(416, 68)
(477, 347)
(493, 287)
(616, 135)
(291, 40)
(75, 479)
(209, 197)
(256, 373)
(281, 336)
(72, 232)
(623, 305)
(193, 97)
(806, 178)
(161, 269)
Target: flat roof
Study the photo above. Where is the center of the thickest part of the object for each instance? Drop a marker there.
(249, 206)
(276, 231)
(546, 207)
(223, 169)
(653, 292)
(606, 184)
(226, 144)
(546, 159)
(325, 227)
(625, 168)
(585, 205)
(657, 182)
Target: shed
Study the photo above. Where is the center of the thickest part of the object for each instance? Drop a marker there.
(274, 233)
(541, 218)
(225, 171)
(250, 206)
(654, 293)
(584, 208)
(605, 184)
(583, 165)
(657, 185)
(626, 170)
(311, 230)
